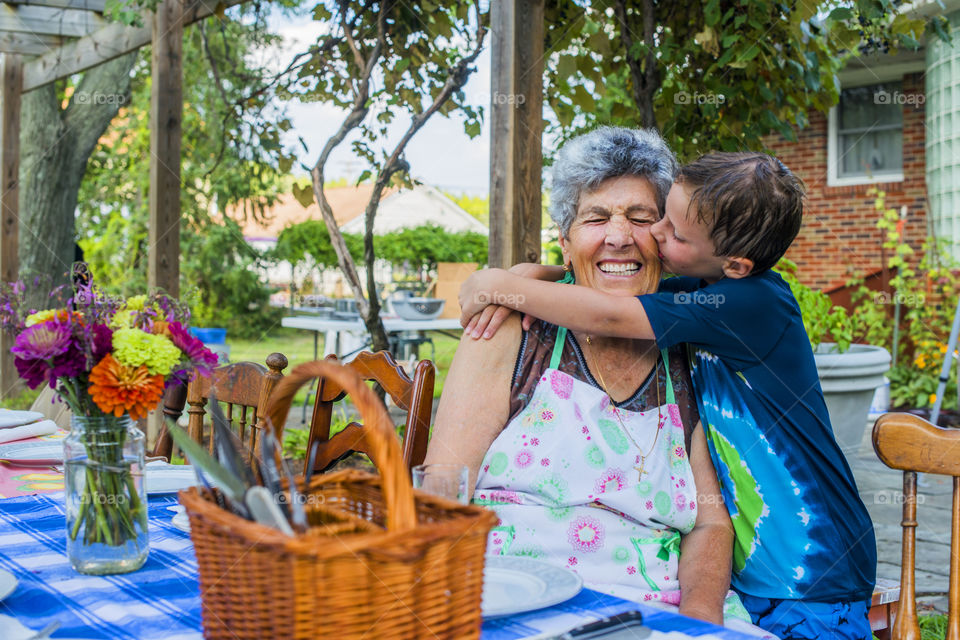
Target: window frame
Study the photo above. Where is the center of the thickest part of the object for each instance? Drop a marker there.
(833, 143)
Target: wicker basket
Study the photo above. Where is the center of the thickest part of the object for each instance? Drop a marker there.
(379, 560)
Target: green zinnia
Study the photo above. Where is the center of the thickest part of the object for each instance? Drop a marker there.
(133, 347)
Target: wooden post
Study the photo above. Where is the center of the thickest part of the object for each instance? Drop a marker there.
(166, 119)
(516, 158)
(11, 76)
(166, 116)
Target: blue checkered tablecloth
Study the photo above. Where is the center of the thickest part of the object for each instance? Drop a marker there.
(162, 599)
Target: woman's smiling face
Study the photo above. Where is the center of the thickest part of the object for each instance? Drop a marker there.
(609, 243)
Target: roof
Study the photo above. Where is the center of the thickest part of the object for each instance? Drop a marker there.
(416, 207)
(398, 209)
(347, 203)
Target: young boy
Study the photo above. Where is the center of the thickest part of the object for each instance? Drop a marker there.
(804, 555)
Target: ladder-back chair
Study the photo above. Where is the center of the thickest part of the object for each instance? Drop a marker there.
(412, 395)
(244, 387)
(911, 444)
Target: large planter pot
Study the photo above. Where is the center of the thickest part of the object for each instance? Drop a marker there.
(849, 381)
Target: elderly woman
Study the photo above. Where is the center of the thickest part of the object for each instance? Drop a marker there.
(590, 448)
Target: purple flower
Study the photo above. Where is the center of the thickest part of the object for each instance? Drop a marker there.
(101, 342)
(43, 341)
(34, 372)
(202, 359)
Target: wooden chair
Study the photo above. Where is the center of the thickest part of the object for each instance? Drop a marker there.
(907, 442)
(415, 396)
(244, 387)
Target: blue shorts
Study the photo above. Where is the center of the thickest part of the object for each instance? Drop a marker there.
(804, 620)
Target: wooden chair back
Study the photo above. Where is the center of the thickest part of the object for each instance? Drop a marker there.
(413, 395)
(243, 387)
(907, 442)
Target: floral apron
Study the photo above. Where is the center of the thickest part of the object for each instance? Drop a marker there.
(563, 478)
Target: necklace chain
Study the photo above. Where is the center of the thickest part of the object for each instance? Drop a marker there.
(641, 470)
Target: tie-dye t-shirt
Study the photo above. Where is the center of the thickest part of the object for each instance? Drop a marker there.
(802, 531)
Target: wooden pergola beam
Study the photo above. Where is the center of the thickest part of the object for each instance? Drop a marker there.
(49, 21)
(28, 44)
(516, 158)
(108, 43)
(86, 5)
(11, 81)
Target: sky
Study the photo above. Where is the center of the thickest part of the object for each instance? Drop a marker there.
(440, 154)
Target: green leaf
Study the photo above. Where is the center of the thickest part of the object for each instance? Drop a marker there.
(303, 195)
(566, 66)
(841, 14)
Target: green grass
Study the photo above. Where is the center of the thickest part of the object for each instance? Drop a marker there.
(23, 400)
(933, 627)
(297, 345)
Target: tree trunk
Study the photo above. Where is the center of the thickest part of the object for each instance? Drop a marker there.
(644, 72)
(55, 145)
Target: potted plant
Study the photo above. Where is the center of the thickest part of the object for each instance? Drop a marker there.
(849, 373)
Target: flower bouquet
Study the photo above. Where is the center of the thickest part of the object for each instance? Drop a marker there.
(110, 360)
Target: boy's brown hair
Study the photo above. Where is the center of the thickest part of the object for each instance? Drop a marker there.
(752, 202)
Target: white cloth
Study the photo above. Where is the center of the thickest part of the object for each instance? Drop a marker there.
(34, 429)
(13, 418)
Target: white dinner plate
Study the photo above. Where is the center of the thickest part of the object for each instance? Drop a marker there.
(514, 585)
(8, 583)
(32, 449)
(14, 418)
(169, 478)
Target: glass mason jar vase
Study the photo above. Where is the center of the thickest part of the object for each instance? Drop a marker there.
(105, 498)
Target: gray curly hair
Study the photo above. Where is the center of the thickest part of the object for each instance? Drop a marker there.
(584, 162)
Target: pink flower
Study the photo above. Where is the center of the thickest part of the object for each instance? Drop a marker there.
(547, 415)
(43, 341)
(584, 429)
(545, 462)
(648, 504)
(201, 358)
(561, 383)
(612, 480)
(631, 570)
(680, 501)
(679, 452)
(524, 459)
(585, 534)
(572, 560)
(674, 412)
(682, 482)
(534, 441)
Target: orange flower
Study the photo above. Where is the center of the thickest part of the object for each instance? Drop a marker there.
(118, 389)
(160, 328)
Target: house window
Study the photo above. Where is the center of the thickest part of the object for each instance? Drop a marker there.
(866, 135)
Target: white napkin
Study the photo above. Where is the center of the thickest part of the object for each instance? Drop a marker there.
(42, 428)
(12, 629)
(12, 418)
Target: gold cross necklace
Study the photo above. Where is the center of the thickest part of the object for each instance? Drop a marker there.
(641, 470)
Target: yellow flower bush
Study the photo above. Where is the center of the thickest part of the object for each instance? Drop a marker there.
(133, 347)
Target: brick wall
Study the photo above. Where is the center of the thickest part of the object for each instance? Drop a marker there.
(839, 237)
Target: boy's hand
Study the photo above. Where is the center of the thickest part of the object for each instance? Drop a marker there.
(486, 323)
(476, 293)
